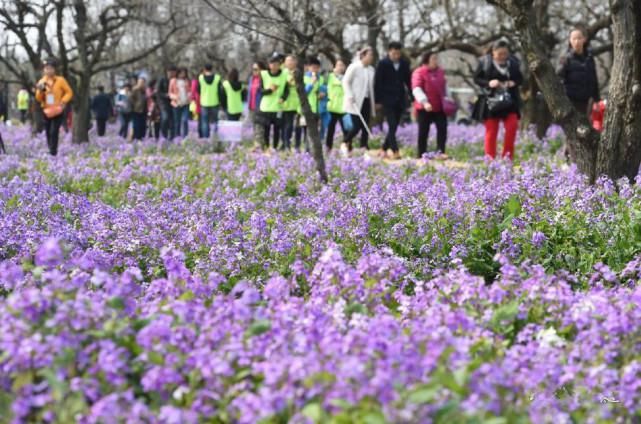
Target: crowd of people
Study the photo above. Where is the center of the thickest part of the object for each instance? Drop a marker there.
(348, 95)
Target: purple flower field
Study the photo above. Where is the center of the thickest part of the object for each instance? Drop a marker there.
(169, 283)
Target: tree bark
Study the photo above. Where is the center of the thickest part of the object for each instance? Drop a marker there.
(312, 123)
(582, 139)
(535, 110)
(81, 112)
(620, 148)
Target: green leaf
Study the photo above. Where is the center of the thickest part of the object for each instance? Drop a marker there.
(505, 314)
(495, 420)
(259, 327)
(21, 380)
(513, 206)
(355, 308)
(340, 403)
(187, 296)
(58, 387)
(116, 303)
(12, 203)
(155, 358)
(374, 418)
(423, 395)
(313, 411)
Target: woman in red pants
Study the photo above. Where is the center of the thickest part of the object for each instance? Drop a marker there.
(498, 74)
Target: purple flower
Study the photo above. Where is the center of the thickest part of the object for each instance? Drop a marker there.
(49, 254)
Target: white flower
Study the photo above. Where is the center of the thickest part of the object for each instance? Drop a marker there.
(549, 338)
(180, 392)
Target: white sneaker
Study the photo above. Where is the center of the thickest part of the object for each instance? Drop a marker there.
(344, 150)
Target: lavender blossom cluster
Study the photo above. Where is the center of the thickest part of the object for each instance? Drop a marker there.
(149, 284)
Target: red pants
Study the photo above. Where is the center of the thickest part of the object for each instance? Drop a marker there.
(511, 124)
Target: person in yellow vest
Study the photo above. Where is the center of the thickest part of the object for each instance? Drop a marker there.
(312, 88)
(274, 94)
(335, 96)
(291, 107)
(233, 95)
(54, 94)
(211, 93)
(23, 104)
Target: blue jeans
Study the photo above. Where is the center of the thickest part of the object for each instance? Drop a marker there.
(288, 128)
(140, 125)
(325, 117)
(208, 115)
(125, 119)
(181, 121)
(166, 126)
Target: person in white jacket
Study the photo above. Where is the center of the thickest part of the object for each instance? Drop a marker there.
(358, 86)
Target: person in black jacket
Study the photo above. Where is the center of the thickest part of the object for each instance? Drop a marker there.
(499, 72)
(578, 72)
(102, 109)
(164, 103)
(391, 89)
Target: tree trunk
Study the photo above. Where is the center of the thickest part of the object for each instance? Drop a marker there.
(535, 110)
(620, 148)
(582, 139)
(312, 123)
(81, 110)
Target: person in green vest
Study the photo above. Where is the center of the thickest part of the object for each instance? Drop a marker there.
(292, 105)
(234, 93)
(212, 94)
(312, 88)
(274, 94)
(335, 96)
(23, 104)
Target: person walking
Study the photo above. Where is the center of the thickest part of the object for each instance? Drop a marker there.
(392, 87)
(499, 75)
(312, 89)
(291, 107)
(577, 71)
(274, 94)
(233, 96)
(153, 111)
(323, 113)
(23, 104)
(102, 109)
(429, 87)
(123, 107)
(180, 97)
(359, 100)
(54, 94)
(210, 90)
(335, 95)
(254, 95)
(195, 101)
(139, 109)
(164, 103)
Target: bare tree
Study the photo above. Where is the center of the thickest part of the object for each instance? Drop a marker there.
(296, 25)
(617, 152)
(85, 36)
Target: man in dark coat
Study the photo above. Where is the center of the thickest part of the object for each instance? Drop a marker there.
(392, 91)
(164, 103)
(102, 109)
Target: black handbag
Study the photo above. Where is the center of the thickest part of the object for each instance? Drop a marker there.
(499, 102)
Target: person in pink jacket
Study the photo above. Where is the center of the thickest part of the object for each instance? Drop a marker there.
(180, 96)
(195, 96)
(429, 87)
